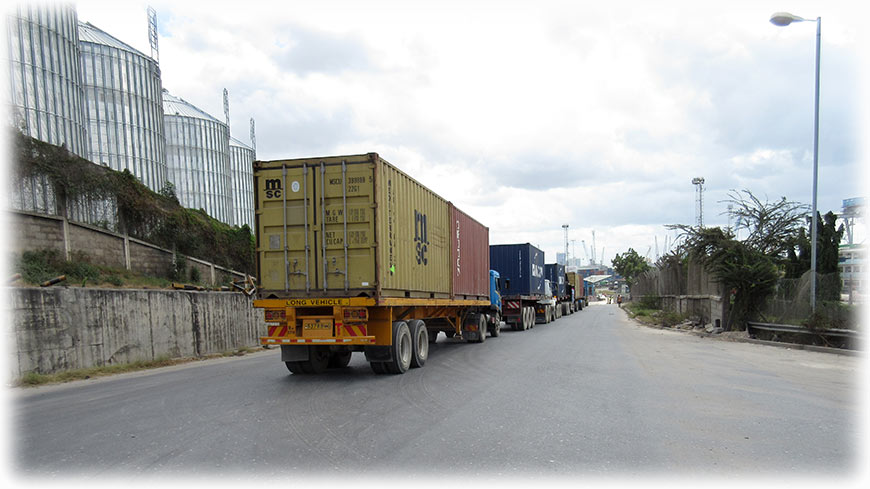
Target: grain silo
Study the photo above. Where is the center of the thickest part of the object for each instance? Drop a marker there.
(123, 106)
(45, 94)
(198, 158)
(242, 183)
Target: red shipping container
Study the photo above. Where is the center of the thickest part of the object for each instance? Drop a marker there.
(470, 256)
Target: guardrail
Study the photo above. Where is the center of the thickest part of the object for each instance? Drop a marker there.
(838, 338)
(787, 328)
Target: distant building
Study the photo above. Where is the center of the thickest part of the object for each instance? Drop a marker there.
(561, 258)
(853, 272)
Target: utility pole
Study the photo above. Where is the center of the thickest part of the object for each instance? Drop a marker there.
(565, 227)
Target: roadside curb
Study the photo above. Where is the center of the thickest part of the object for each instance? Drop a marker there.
(778, 344)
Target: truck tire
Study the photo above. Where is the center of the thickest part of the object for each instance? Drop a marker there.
(495, 330)
(379, 368)
(295, 367)
(402, 348)
(530, 314)
(433, 335)
(339, 359)
(318, 360)
(481, 328)
(420, 343)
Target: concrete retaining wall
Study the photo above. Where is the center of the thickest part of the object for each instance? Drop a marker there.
(56, 329)
(711, 309)
(37, 231)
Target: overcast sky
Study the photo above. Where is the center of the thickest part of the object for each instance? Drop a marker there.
(534, 114)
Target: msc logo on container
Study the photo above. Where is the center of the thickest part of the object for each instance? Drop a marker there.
(273, 188)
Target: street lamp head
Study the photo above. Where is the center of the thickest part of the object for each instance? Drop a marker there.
(783, 19)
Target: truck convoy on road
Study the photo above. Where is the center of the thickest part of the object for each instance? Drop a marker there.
(353, 255)
(563, 291)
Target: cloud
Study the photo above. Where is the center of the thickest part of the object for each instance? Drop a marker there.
(533, 115)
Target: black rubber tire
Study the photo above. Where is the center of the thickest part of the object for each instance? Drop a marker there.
(380, 368)
(450, 334)
(339, 359)
(433, 336)
(419, 343)
(295, 367)
(481, 328)
(318, 360)
(402, 347)
(495, 331)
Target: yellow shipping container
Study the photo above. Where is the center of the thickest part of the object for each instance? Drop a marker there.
(349, 226)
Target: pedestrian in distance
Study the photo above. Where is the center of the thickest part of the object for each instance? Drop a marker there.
(619, 300)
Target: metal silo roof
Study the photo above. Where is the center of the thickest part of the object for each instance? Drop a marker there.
(236, 142)
(174, 106)
(90, 33)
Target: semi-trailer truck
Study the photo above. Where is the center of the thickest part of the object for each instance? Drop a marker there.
(521, 267)
(353, 255)
(562, 290)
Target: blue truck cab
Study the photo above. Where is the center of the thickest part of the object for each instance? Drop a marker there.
(494, 293)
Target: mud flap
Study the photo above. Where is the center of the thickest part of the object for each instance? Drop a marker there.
(379, 353)
(294, 353)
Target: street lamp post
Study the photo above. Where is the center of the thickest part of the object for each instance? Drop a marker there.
(783, 19)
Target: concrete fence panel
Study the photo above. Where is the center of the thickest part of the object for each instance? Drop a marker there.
(58, 329)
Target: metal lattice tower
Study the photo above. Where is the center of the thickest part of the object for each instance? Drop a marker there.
(152, 33)
(227, 106)
(253, 138)
(699, 204)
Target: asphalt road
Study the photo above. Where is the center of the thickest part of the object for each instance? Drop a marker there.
(592, 394)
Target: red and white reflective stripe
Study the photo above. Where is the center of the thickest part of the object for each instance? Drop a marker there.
(314, 340)
(512, 305)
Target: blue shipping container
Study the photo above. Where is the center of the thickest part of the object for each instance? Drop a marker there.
(555, 273)
(522, 264)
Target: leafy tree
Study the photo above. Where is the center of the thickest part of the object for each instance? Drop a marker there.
(748, 273)
(630, 264)
(828, 253)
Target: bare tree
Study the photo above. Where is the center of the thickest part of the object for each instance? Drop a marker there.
(771, 225)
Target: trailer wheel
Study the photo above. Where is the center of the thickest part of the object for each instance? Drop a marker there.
(295, 367)
(450, 334)
(481, 328)
(433, 335)
(318, 360)
(402, 349)
(339, 359)
(420, 343)
(379, 368)
(495, 330)
(530, 318)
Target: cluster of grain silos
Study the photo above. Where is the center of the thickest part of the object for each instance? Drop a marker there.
(73, 84)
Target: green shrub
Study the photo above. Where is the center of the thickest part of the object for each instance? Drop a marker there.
(195, 275)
